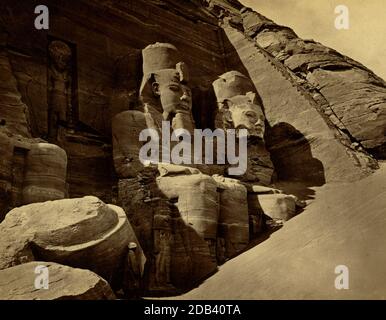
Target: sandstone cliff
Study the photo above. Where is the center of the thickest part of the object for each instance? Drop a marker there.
(73, 101)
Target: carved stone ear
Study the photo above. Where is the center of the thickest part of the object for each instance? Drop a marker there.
(226, 104)
(252, 96)
(227, 116)
(155, 89)
(183, 72)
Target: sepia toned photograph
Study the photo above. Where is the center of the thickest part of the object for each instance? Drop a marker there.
(192, 150)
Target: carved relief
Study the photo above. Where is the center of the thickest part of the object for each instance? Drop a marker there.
(60, 86)
(163, 244)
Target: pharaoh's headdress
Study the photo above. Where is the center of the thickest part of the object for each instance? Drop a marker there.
(157, 57)
(231, 84)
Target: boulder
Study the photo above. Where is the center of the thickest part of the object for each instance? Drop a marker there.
(64, 283)
(278, 206)
(84, 232)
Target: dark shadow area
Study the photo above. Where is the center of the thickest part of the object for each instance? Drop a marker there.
(204, 107)
(167, 241)
(4, 204)
(296, 169)
(379, 152)
(264, 235)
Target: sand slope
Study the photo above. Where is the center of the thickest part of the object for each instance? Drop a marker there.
(344, 225)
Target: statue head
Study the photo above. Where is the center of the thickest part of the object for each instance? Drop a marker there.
(164, 85)
(246, 114)
(240, 104)
(60, 54)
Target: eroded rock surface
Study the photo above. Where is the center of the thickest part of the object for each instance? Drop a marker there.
(64, 283)
(350, 95)
(82, 233)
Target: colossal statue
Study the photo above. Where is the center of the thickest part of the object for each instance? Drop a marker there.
(240, 107)
(165, 96)
(191, 218)
(165, 89)
(239, 104)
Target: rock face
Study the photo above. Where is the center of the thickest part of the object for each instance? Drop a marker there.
(13, 111)
(288, 132)
(5, 174)
(64, 283)
(350, 95)
(31, 171)
(83, 233)
(77, 111)
(278, 206)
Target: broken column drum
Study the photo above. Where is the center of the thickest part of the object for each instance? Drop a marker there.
(45, 177)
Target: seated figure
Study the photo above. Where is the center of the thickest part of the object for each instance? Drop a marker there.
(165, 96)
(240, 107)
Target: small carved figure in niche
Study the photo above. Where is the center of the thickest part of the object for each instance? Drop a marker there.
(132, 273)
(163, 240)
(220, 250)
(256, 224)
(60, 111)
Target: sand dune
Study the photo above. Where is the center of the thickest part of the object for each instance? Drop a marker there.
(344, 225)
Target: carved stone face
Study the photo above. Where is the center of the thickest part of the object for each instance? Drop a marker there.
(247, 114)
(175, 97)
(60, 54)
